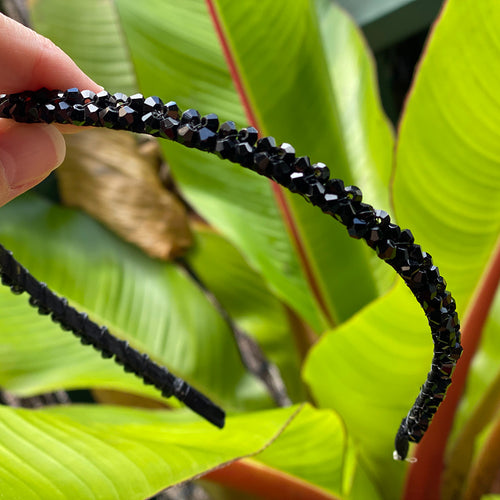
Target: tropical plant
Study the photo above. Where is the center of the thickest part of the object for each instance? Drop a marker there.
(346, 335)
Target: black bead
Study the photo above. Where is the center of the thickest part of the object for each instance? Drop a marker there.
(118, 99)
(358, 228)
(187, 134)
(153, 103)
(208, 139)
(191, 117)
(102, 98)
(136, 102)
(228, 129)
(211, 122)
(244, 154)
(249, 135)
(77, 114)
(321, 172)
(354, 193)
(261, 163)
(126, 117)
(225, 148)
(108, 117)
(172, 110)
(151, 122)
(386, 249)
(87, 96)
(383, 218)
(168, 128)
(299, 183)
(281, 171)
(73, 96)
(303, 164)
(286, 152)
(267, 144)
(92, 114)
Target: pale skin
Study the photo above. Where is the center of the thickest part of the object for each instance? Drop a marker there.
(29, 61)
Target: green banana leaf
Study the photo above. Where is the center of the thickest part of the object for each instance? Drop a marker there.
(152, 304)
(101, 452)
(189, 65)
(445, 189)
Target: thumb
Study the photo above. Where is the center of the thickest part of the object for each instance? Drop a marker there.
(28, 153)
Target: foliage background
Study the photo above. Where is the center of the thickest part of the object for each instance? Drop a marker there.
(287, 275)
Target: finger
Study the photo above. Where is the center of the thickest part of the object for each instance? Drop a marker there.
(28, 153)
(30, 61)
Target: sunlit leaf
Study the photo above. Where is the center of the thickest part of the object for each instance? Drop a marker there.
(152, 304)
(96, 452)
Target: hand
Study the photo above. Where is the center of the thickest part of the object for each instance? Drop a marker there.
(29, 61)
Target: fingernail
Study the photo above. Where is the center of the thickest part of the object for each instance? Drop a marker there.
(28, 153)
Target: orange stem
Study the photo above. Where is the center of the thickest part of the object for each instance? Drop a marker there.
(269, 484)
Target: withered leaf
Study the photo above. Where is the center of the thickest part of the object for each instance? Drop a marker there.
(106, 174)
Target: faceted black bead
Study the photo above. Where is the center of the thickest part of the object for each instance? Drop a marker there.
(151, 122)
(42, 95)
(62, 112)
(208, 139)
(92, 114)
(303, 164)
(335, 186)
(358, 228)
(118, 99)
(108, 117)
(317, 190)
(383, 218)
(344, 212)
(406, 237)
(287, 153)
(153, 103)
(55, 96)
(87, 96)
(191, 117)
(77, 115)
(416, 254)
(354, 193)
(47, 113)
(386, 249)
(392, 232)
(136, 102)
(187, 134)
(5, 105)
(168, 128)
(267, 144)
(211, 122)
(249, 134)
(321, 172)
(126, 117)
(225, 148)
(228, 129)
(400, 261)
(281, 171)
(261, 163)
(244, 154)
(172, 110)
(102, 98)
(373, 236)
(300, 184)
(73, 96)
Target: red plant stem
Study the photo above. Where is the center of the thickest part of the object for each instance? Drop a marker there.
(424, 476)
(278, 191)
(265, 482)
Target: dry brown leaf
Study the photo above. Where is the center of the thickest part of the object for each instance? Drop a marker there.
(107, 175)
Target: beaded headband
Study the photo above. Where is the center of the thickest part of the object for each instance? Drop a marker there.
(280, 164)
